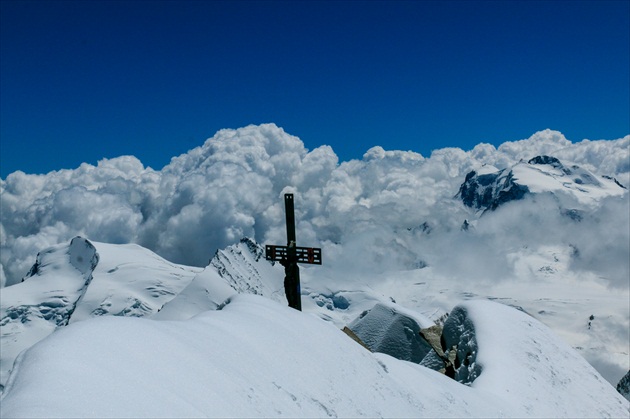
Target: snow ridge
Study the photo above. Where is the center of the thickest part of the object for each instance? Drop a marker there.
(258, 358)
(45, 299)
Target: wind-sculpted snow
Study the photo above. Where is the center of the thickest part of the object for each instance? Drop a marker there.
(132, 281)
(46, 299)
(231, 187)
(523, 346)
(78, 280)
(256, 358)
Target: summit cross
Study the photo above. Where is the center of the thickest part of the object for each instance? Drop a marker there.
(290, 255)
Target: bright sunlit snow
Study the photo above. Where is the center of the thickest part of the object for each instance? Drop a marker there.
(256, 358)
(490, 243)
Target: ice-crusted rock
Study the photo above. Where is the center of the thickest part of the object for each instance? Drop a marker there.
(391, 329)
(436, 359)
(623, 387)
(459, 343)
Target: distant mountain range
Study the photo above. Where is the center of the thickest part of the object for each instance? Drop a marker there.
(489, 188)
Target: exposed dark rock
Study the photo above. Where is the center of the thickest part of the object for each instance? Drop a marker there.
(460, 347)
(549, 160)
(574, 214)
(614, 180)
(623, 387)
(489, 191)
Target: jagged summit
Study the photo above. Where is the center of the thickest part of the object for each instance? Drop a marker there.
(237, 265)
(488, 189)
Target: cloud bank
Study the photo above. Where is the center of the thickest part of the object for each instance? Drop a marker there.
(391, 209)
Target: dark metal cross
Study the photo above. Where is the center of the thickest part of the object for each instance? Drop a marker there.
(290, 255)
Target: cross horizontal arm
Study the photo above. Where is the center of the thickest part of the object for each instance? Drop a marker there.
(310, 255)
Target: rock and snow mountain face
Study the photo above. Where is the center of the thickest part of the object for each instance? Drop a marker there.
(488, 188)
(240, 268)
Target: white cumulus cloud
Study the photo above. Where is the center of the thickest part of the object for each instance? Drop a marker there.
(391, 208)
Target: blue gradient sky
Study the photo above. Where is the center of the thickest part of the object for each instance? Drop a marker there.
(87, 79)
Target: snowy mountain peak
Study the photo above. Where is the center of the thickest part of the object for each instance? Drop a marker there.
(244, 268)
(74, 281)
(552, 161)
(54, 285)
(81, 254)
(487, 190)
(46, 298)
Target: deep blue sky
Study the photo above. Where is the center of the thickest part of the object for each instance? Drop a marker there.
(83, 80)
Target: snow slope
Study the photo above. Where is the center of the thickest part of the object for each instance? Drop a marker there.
(130, 280)
(543, 285)
(47, 298)
(81, 279)
(257, 358)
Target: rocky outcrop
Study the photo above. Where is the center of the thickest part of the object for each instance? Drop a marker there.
(393, 330)
(459, 343)
(623, 387)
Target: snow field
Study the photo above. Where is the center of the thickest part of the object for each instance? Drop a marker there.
(257, 358)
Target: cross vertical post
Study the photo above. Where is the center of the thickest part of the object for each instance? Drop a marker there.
(291, 269)
(290, 255)
(290, 214)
